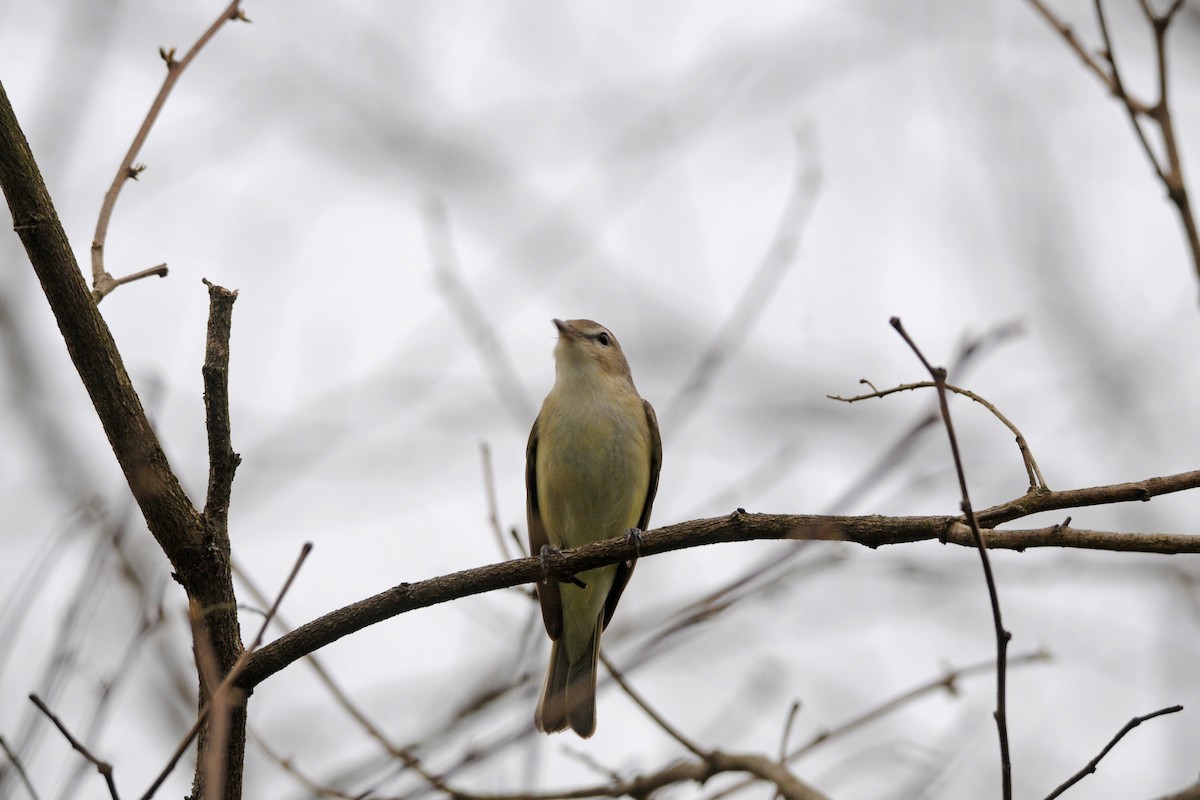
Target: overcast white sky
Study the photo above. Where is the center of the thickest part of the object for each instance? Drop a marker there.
(951, 163)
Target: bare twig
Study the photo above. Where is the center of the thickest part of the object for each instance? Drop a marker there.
(1090, 767)
(288, 766)
(489, 488)
(103, 767)
(1002, 636)
(1133, 107)
(1037, 483)
(947, 682)
(1105, 68)
(16, 762)
(339, 695)
(650, 712)
(230, 677)
(102, 281)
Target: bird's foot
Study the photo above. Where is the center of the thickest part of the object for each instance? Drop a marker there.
(551, 558)
(636, 536)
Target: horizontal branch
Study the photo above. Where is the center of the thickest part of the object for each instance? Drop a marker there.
(1035, 502)
(873, 531)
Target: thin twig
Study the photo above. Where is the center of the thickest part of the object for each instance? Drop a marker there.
(1090, 767)
(339, 695)
(670, 729)
(947, 682)
(793, 712)
(102, 281)
(1068, 35)
(1037, 483)
(1106, 69)
(103, 767)
(288, 766)
(230, 677)
(489, 489)
(1002, 636)
(16, 762)
(1134, 108)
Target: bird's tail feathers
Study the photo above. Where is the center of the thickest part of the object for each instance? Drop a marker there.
(569, 694)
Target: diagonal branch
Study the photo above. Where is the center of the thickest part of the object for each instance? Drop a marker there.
(169, 514)
(103, 767)
(1090, 767)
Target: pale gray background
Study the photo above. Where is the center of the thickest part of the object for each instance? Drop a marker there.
(627, 162)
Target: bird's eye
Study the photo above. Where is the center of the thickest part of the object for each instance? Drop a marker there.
(602, 338)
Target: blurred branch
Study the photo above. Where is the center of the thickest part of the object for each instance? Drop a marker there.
(228, 690)
(372, 730)
(1159, 111)
(489, 488)
(1190, 793)
(1036, 481)
(288, 766)
(948, 682)
(102, 282)
(103, 767)
(670, 730)
(1002, 636)
(715, 762)
(20, 768)
(869, 531)
(779, 256)
(470, 314)
(1090, 767)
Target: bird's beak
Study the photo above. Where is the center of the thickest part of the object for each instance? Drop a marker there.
(566, 330)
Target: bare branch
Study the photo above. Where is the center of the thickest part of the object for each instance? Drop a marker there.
(1090, 767)
(103, 767)
(102, 282)
(1002, 636)
(1170, 174)
(16, 762)
(222, 460)
(869, 531)
(489, 488)
(650, 712)
(1036, 481)
(168, 511)
(228, 683)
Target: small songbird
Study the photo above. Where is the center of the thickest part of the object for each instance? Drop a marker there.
(591, 472)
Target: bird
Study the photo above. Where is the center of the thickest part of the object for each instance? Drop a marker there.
(591, 473)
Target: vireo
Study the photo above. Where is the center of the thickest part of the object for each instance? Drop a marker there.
(591, 472)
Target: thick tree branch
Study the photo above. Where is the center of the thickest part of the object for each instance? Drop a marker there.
(872, 531)
(169, 514)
